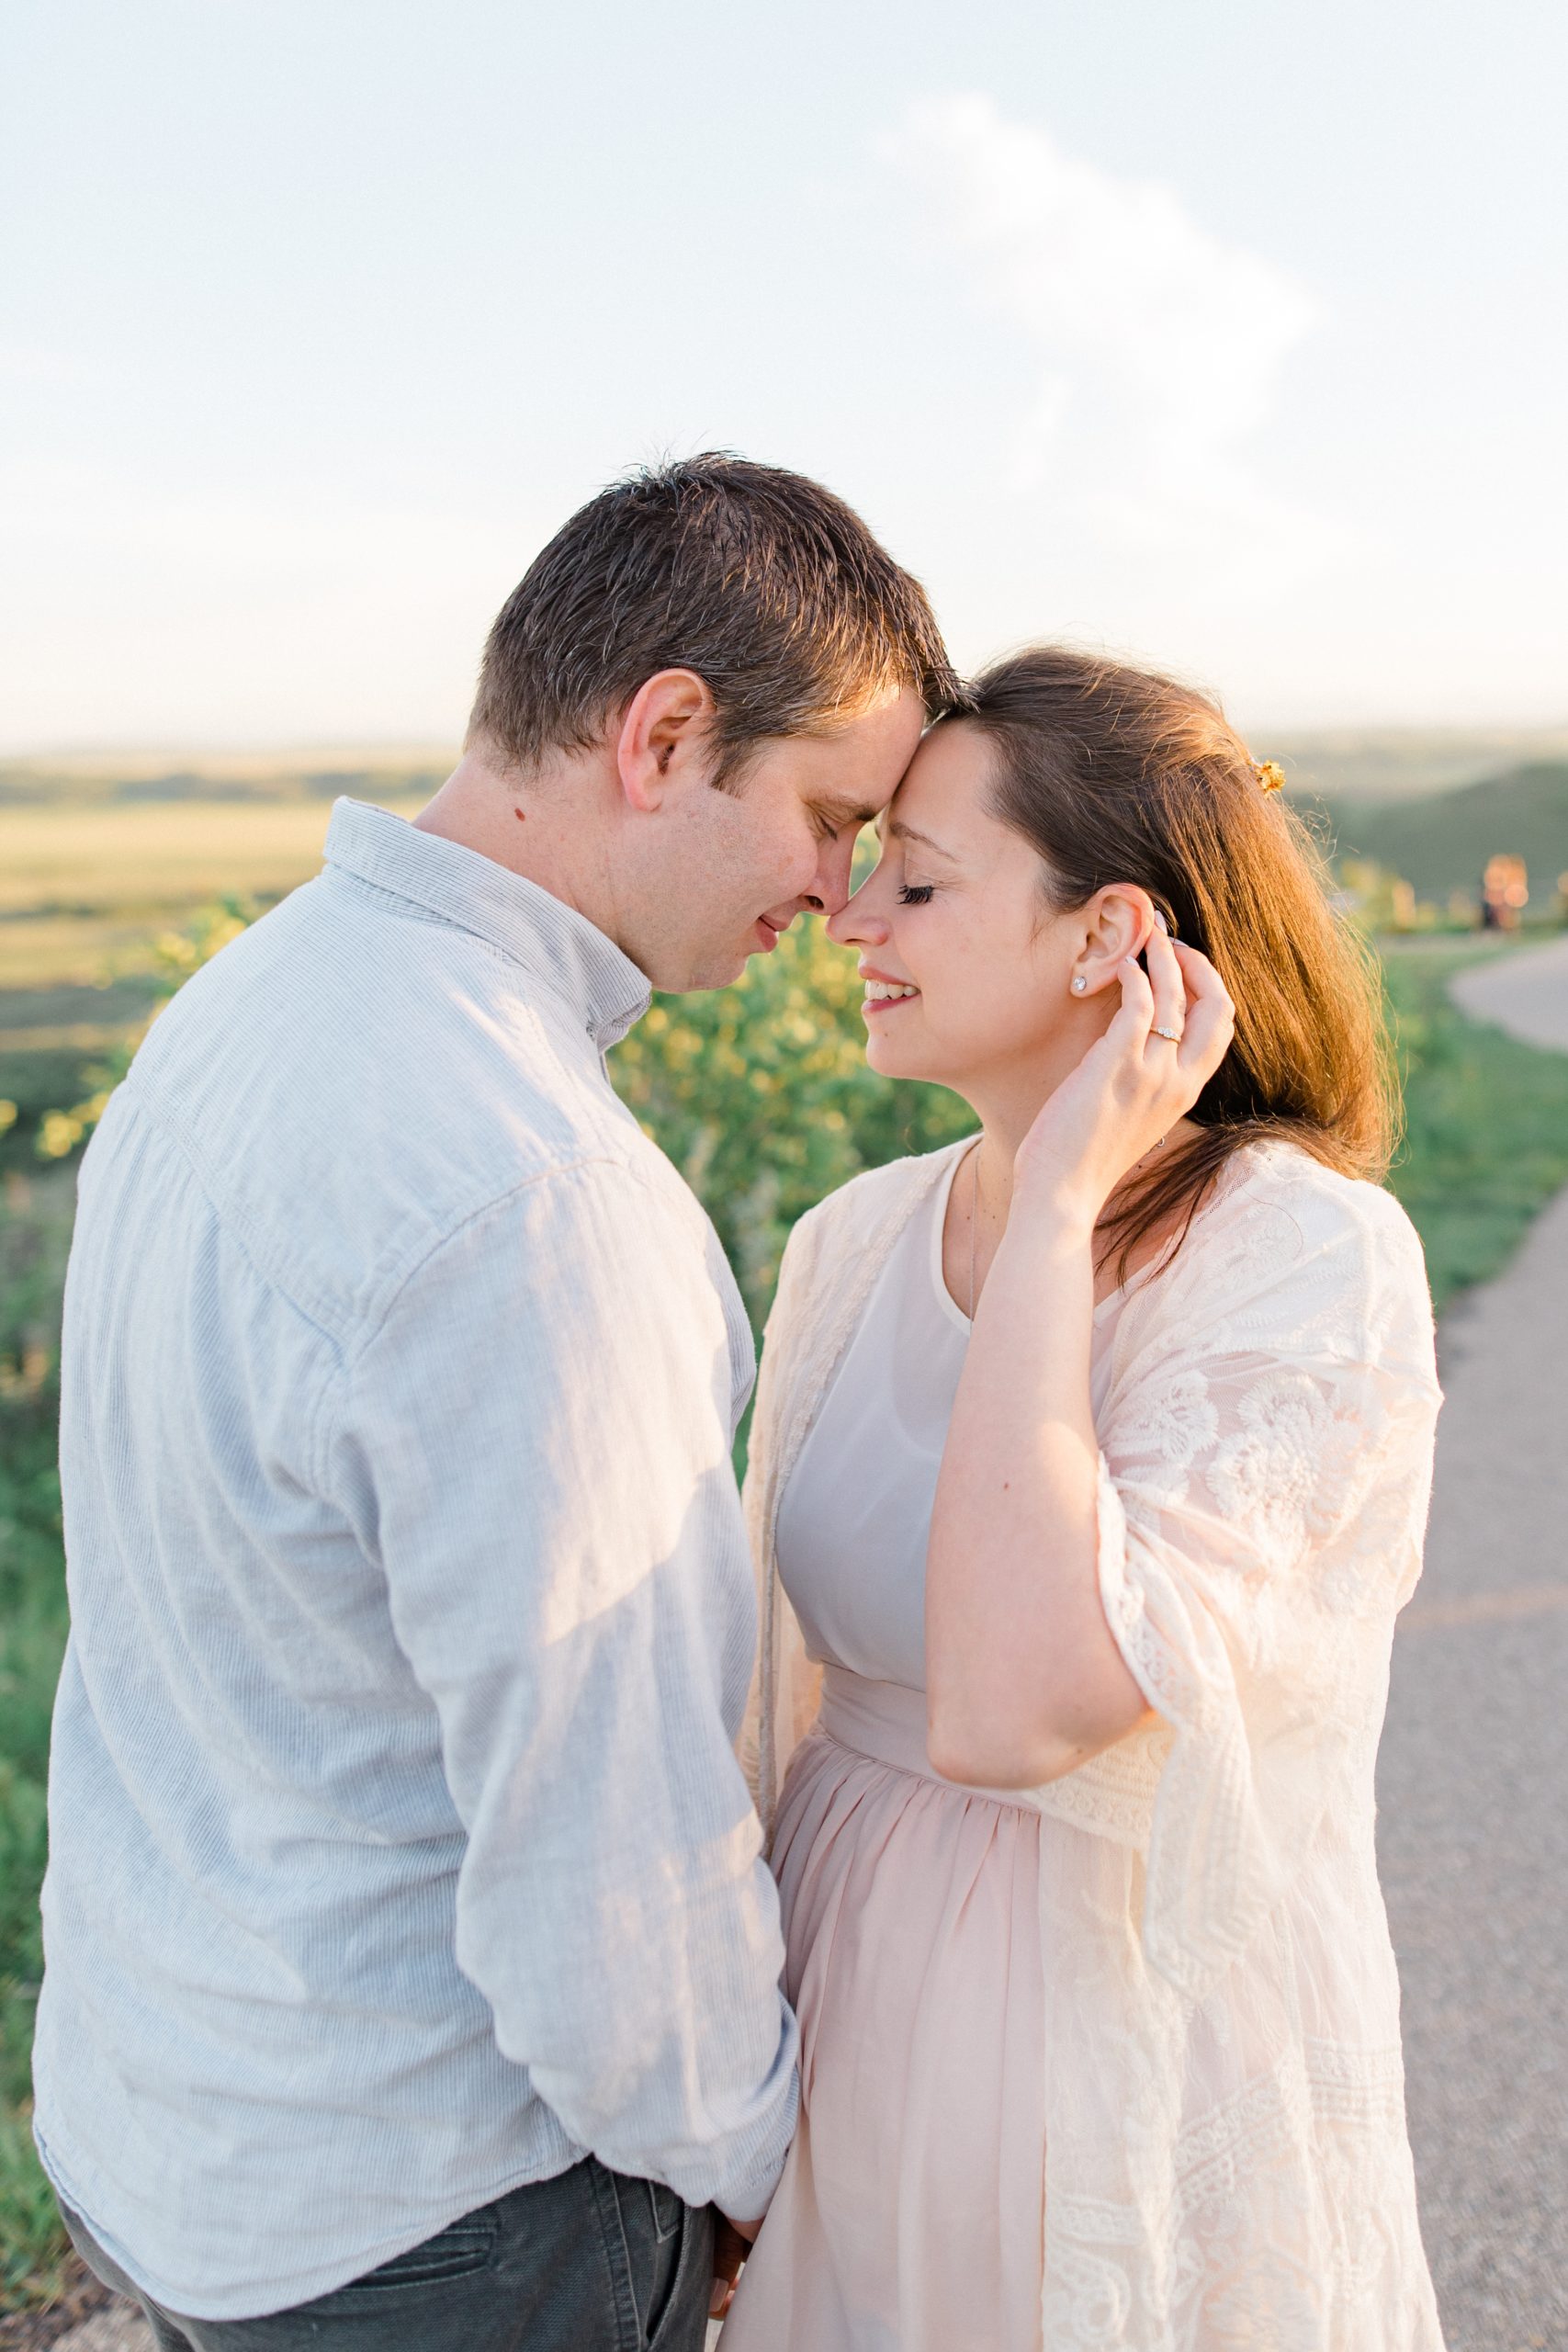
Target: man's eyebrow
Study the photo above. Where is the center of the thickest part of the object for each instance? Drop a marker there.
(902, 833)
(846, 812)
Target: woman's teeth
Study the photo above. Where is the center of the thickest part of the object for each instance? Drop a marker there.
(878, 991)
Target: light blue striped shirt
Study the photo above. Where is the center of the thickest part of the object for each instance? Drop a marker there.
(399, 1853)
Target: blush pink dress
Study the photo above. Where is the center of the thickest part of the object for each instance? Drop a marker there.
(909, 2215)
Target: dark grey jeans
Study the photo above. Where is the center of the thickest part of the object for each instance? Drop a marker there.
(588, 2262)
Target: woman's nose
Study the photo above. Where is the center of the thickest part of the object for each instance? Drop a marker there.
(856, 924)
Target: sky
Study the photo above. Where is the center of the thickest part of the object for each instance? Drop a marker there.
(1229, 336)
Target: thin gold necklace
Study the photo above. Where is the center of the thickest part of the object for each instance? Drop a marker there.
(974, 1202)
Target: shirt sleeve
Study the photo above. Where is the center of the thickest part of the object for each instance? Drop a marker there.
(1266, 1465)
(538, 1441)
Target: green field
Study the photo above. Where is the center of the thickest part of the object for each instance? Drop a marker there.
(102, 779)
(89, 882)
(762, 1096)
(82, 887)
(129, 863)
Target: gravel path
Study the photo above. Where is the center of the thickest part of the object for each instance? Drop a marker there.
(1472, 1779)
(1524, 990)
(1472, 1786)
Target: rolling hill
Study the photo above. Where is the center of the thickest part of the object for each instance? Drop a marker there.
(1441, 840)
(1374, 766)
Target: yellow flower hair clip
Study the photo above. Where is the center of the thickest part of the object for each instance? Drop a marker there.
(1270, 774)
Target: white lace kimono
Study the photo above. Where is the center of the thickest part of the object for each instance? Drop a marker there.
(1226, 2162)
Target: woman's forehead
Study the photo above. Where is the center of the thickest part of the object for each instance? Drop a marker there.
(939, 802)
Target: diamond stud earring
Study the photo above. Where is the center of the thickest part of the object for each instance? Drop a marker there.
(1080, 984)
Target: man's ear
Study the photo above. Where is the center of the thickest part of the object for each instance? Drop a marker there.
(662, 737)
(1117, 923)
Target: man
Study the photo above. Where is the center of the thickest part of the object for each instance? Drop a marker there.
(412, 1971)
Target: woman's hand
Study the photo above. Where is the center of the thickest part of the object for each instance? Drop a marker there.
(732, 2242)
(1132, 1086)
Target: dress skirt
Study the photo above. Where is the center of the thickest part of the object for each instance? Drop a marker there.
(910, 2214)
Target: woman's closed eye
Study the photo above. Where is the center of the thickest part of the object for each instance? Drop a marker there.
(915, 894)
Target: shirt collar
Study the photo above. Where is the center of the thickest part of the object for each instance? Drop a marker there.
(550, 940)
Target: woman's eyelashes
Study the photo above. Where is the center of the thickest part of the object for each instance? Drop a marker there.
(915, 894)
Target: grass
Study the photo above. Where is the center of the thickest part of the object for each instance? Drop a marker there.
(762, 1096)
(1486, 1124)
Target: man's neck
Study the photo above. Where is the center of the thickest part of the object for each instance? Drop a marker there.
(542, 825)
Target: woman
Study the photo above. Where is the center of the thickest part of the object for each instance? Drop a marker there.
(1092, 1458)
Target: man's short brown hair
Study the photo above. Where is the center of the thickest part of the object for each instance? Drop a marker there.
(767, 586)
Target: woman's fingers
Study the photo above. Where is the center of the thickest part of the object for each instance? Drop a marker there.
(1211, 1015)
(1169, 988)
(1130, 1024)
(1131, 1088)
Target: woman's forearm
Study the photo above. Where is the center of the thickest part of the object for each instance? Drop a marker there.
(1023, 1679)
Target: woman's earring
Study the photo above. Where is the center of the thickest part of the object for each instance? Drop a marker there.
(1080, 984)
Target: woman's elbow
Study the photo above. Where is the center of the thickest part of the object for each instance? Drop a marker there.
(990, 1753)
(987, 1762)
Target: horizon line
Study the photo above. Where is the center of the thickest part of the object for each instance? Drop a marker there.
(422, 750)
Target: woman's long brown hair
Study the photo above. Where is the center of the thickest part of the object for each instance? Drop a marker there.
(1115, 774)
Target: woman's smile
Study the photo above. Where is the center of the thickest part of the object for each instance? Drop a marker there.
(883, 991)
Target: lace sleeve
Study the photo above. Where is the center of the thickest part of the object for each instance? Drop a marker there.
(1266, 1466)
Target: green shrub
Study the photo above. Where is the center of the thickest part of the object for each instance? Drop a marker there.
(35, 1223)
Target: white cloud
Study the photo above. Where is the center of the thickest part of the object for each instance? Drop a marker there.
(1155, 346)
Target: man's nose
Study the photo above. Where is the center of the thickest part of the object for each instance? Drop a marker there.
(832, 892)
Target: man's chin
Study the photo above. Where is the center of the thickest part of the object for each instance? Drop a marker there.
(716, 967)
(712, 973)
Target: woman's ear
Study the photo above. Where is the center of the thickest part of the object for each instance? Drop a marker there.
(1117, 923)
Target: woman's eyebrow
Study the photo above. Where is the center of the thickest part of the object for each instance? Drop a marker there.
(907, 834)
